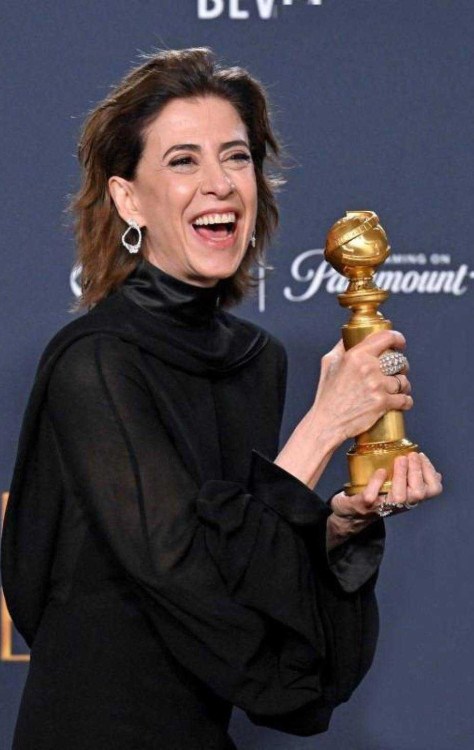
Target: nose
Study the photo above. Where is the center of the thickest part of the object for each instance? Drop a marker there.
(216, 180)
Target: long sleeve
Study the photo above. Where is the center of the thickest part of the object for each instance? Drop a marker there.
(229, 574)
(358, 559)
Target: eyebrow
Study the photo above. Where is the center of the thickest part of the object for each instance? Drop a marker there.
(196, 148)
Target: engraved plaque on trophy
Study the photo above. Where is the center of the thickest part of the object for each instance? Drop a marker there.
(355, 246)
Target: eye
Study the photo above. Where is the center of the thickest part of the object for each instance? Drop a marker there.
(181, 161)
(238, 160)
(241, 156)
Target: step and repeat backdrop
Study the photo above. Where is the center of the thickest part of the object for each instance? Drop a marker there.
(373, 100)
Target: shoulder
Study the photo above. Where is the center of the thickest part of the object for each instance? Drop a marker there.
(95, 369)
(92, 356)
(81, 351)
(76, 344)
(106, 316)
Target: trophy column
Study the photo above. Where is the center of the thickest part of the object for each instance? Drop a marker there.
(356, 245)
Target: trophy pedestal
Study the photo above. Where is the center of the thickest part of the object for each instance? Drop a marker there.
(366, 458)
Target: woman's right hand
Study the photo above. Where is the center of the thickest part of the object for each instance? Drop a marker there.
(353, 393)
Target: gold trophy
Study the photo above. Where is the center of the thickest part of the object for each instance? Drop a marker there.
(355, 246)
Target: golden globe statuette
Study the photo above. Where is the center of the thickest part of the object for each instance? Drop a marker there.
(355, 246)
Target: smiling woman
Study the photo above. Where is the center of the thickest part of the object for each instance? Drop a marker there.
(162, 557)
(194, 190)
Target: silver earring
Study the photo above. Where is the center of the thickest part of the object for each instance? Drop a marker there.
(136, 247)
(253, 239)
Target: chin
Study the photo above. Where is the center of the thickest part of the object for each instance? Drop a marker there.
(210, 274)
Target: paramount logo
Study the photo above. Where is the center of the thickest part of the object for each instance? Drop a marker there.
(433, 274)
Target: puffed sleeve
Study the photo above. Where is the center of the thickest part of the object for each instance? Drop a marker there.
(232, 575)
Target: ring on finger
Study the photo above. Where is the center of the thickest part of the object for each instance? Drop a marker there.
(392, 362)
(385, 509)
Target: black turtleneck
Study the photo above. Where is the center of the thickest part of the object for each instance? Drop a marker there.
(162, 567)
(177, 301)
(181, 322)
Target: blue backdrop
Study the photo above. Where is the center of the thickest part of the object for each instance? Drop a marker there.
(374, 101)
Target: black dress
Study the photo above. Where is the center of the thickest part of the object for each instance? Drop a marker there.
(159, 565)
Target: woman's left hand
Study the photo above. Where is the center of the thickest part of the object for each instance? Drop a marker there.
(414, 481)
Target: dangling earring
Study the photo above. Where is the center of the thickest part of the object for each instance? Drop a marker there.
(253, 239)
(136, 247)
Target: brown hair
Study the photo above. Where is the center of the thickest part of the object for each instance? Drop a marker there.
(112, 142)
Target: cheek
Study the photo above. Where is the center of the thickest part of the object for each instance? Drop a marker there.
(167, 198)
(250, 191)
(178, 198)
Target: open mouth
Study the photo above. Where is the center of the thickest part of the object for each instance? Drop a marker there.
(216, 229)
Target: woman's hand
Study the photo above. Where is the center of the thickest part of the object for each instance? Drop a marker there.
(352, 391)
(415, 480)
(352, 395)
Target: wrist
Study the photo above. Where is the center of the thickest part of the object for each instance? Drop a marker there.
(308, 450)
(338, 531)
(324, 429)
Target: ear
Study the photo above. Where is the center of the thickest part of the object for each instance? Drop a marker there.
(123, 195)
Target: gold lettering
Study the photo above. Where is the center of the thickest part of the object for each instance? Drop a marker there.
(6, 633)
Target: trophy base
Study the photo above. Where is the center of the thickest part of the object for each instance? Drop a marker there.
(365, 458)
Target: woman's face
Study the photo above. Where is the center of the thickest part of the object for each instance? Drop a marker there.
(195, 172)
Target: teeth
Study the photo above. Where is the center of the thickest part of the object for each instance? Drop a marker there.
(215, 219)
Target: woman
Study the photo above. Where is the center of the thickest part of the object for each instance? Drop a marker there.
(161, 557)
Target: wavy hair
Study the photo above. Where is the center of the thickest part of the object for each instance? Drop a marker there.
(112, 142)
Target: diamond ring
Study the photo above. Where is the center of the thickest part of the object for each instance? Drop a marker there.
(392, 362)
(385, 509)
